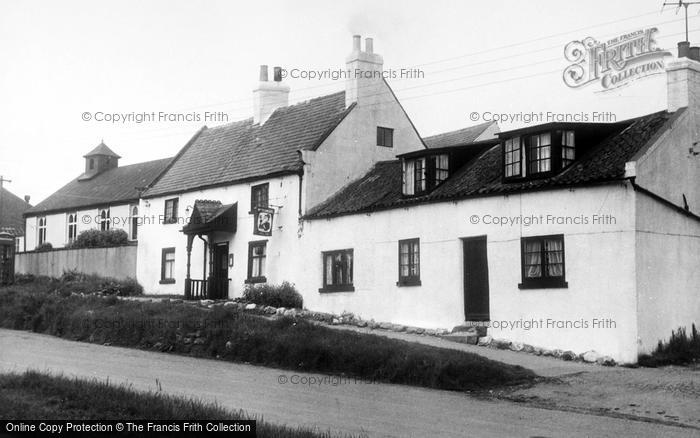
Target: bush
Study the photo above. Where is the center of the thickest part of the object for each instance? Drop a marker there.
(284, 295)
(227, 333)
(24, 278)
(680, 349)
(100, 239)
(46, 246)
(77, 282)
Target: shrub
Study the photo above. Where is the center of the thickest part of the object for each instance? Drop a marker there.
(46, 246)
(77, 282)
(24, 278)
(100, 239)
(284, 295)
(680, 349)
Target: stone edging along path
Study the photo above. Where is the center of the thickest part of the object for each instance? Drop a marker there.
(349, 319)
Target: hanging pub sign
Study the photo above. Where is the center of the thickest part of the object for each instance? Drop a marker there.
(263, 221)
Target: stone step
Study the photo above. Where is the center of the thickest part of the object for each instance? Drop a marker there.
(462, 337)
(480, 330)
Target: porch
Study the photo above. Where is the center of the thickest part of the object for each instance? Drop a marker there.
(209, 220)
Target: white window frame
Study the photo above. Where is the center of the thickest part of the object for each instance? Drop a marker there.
(133, 222)
(104, 219)
(41, 230)
(69, 224)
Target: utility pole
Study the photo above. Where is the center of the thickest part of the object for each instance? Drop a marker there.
(678, 5)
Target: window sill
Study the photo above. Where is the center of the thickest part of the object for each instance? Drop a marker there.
(252, 211)
(255, 280)
(332, 289)
(559, 284)
(409, 282)
(167, 281)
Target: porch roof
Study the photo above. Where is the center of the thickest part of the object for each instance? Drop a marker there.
(210, 216)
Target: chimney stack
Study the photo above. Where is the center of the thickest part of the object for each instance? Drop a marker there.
(369, 45)
(263, 73)
(683, 80)
(27, 198)
(278, 74)
(365, 73)
(694, 53)
(269, 95)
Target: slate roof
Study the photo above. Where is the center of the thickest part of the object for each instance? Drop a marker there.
(458, 137)
(243, 150)
(209, 216)
(102, 149)
(11, 209)
(113, 186)
(206, 208)
(381, 187)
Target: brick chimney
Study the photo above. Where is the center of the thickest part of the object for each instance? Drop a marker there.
(365, 69)
(269, 95)
(683, 80)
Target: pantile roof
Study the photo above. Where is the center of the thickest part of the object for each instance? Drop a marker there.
(458, 137)
(381, 187)
(243, 150)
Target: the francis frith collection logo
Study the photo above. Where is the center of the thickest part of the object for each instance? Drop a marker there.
(615, 62)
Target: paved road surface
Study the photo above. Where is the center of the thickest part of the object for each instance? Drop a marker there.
(379, 410)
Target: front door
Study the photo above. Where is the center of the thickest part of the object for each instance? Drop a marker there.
(476, 279)
(220, 284)
(7, 258)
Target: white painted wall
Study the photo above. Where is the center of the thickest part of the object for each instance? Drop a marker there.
(351, 149)
(600, 267)
(668, 168)
(154, 236)
(57, 224)
(668, 278)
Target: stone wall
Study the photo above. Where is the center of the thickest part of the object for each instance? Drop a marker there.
(117, 262)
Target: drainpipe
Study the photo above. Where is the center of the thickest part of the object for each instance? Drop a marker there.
(301, 180)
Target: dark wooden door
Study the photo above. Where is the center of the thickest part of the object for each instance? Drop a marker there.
(476, 279)
(220, 283)
(7, 265)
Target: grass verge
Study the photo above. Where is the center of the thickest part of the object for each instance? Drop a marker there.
(229, 334)
(35, 395)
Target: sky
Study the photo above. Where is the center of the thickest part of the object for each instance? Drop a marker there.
(61, 60)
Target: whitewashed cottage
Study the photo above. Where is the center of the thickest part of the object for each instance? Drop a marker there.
(228, 206)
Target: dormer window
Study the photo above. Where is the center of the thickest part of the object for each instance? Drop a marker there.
(442, 169)
(568, 148)
(92, 163)
(420, 175)
(414, 176)
(513, 157)
(538, 155)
